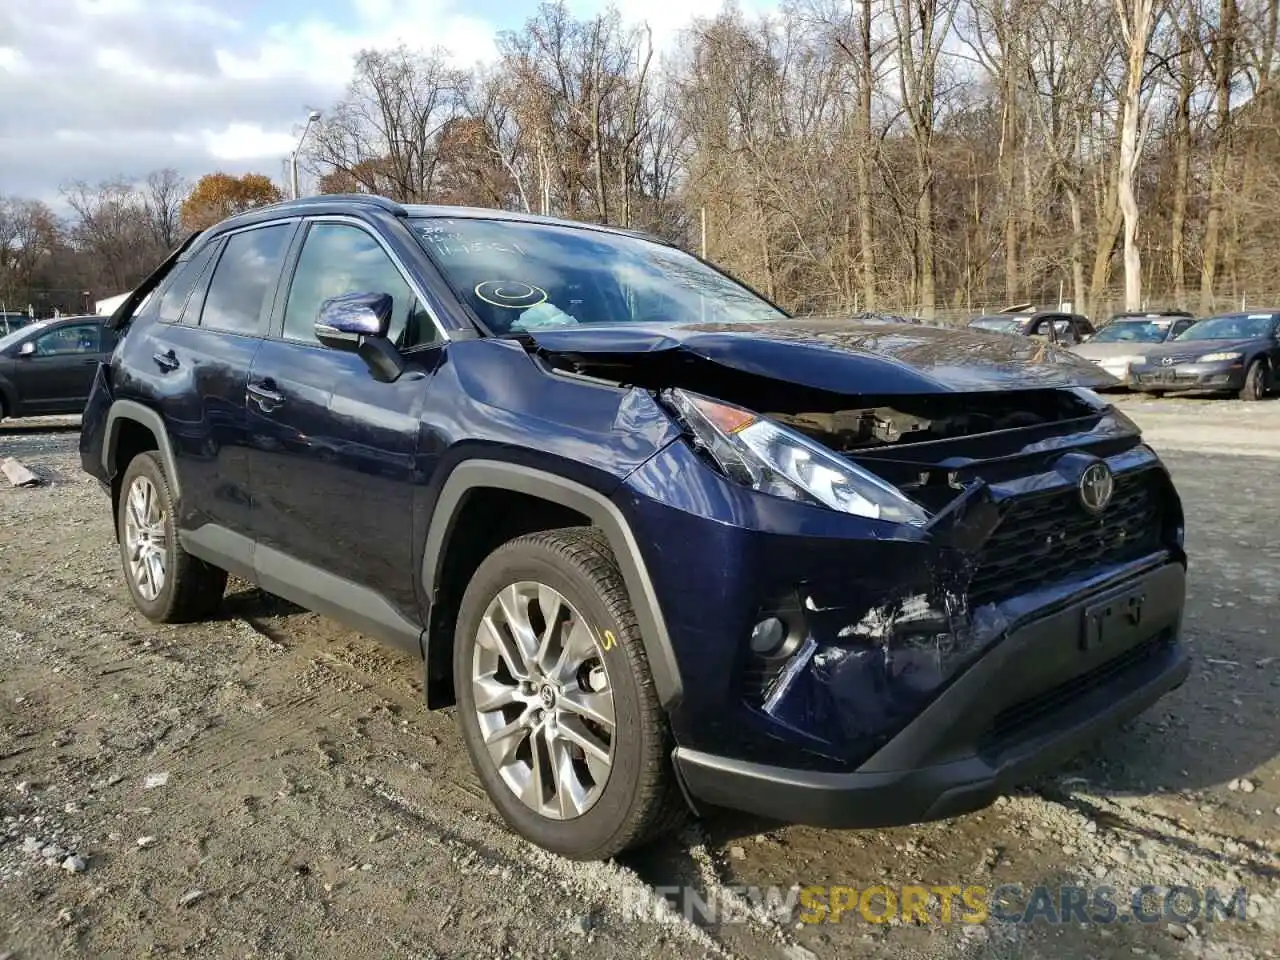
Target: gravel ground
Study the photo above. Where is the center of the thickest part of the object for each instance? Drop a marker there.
(268, 785)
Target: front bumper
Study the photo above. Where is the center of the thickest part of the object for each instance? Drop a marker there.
(1223, 375)
(1118, 369)
(1041, 694)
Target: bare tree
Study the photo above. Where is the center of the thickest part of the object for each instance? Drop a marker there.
(1137, 20)
(163, 194)
(384, 134)
(922, 28)
(112, 226)
(1221, 53)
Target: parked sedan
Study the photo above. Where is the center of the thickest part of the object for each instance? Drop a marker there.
(1234, 353)
(1125, 338)
(47, 367)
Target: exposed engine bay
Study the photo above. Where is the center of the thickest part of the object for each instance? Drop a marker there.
(857, 429)
(844, 421)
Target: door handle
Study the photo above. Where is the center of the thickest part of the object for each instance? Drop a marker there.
(166, 361)
(263, 394)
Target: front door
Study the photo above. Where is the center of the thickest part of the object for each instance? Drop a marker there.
(335, 455)
(57, 377)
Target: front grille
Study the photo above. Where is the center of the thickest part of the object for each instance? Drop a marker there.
(1014, 720)
(1048, 538)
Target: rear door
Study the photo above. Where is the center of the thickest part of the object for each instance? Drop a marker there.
(212, 318)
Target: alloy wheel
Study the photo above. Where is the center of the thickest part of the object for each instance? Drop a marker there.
(144, 537)
(543, 700)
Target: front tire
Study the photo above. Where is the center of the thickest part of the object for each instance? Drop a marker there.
(1255, 382)
(556, 701)
(168, 585)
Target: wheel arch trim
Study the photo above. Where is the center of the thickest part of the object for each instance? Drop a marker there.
(122, 410)
(599, 509)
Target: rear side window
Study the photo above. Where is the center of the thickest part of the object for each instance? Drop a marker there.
(178, 290)
(244, 278)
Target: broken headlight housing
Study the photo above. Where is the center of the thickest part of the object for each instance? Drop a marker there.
(766, 456)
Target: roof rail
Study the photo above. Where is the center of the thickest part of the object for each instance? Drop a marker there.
(373, 200)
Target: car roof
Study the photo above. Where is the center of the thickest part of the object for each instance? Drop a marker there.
(350, 202)
(1245, 312)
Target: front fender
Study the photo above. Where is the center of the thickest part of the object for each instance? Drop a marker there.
(603, 513)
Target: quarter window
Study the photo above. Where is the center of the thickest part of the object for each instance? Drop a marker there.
(178, 290)
(243, 279)
(337, 259)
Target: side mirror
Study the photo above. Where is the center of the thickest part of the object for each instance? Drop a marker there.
(28, 349)
(343, 322)
(358, 322)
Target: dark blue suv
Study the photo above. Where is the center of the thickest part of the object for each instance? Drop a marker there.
(664, 546)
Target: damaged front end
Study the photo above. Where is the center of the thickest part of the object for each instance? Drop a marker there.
(880, 518)
(954, 522)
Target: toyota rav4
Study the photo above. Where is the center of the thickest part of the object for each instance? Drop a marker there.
(664, 547)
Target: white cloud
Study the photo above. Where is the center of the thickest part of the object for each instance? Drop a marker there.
(100, 88)
(11, 60)
(246, 141)
(312, 48)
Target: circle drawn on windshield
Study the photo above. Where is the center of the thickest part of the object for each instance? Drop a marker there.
(510, 294)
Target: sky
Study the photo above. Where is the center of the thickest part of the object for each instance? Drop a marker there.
(94, 89)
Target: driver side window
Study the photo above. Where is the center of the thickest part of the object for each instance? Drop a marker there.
(78, 338)
(339, 258)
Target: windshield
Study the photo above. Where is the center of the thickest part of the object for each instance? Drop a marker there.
(1134, 331)
(519, 276)
(999, 324)
(1235, 326)
(22, 332)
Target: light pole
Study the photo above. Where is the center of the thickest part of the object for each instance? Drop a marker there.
(312, 117)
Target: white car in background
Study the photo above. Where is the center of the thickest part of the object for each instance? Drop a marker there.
(1122, 341)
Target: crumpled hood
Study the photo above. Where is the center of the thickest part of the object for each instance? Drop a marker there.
(838, 356)
(1196, 348)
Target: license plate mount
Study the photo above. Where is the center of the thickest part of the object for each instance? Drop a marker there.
(1110, 620)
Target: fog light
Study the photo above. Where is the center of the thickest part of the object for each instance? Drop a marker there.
(768, 636)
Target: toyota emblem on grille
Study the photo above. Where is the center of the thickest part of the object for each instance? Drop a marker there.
(1167, 361)
(1096, 486)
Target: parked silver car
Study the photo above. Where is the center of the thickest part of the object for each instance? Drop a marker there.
(1124, 338)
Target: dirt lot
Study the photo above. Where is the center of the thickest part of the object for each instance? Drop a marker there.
(268, 785)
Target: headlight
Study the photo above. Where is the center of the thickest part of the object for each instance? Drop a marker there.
(1215, 357)
(766, 456)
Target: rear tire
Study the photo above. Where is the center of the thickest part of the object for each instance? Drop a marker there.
(1255, 382)
(168, 585)
(603, 783)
